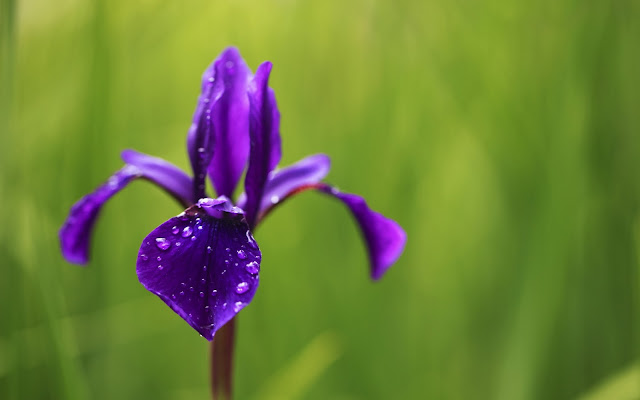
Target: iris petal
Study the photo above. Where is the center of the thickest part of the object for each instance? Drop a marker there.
(203, 264)
(163, 173)
(264, 130)
(201, 138)
(230, 117)
(75, 234)
(385, 239)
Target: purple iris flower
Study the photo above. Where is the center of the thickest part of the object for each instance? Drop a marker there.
(205, 263)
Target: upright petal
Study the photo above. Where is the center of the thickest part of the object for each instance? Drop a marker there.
(264, 130)
(230, 117)
(203, 264)
(201, 138)
(75, 234)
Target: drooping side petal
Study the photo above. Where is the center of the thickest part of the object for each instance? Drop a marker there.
(385, 239)
(166, 175)
(203, 264)
(230, 118)
(282, 182)
(264, 130)
(75, 234)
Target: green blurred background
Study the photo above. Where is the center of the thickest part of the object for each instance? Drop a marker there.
(503, 136)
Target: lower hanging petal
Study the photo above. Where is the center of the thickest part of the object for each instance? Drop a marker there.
(203, 264)
(75, 234)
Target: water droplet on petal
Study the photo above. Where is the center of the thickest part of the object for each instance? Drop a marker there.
(211, 79)
(204, 267)
(251, 240)
(182, 293)
(193, 238)
(274, 199)
(201, 294)
(214, 292)
(209, 249)
(253, 267)
(162, 243)
(144, 257)
(242, 287)
(159, 258)
(187, 231)
(175, 230)
(200, 227)
(241, 254)
(228, 249)
(238, 306)
(173, 296)
(191, 288)
(203, 281)
(160, 267)
(178, 244)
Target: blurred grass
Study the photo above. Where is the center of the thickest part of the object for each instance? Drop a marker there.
(504, 136)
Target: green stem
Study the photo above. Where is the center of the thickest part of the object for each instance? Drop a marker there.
(222, 361)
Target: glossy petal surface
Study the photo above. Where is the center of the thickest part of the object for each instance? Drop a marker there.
(230, 115)
(203, 263)
(201, 137)
(264, 130)
(162, 173)
(385, 239)
(283, 182)
(75, 234)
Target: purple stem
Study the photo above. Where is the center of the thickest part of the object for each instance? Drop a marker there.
(222, 361)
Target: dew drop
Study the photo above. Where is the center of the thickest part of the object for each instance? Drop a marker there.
(204, 267)
(173, 296)
(187, 231)
(175, 230)
(206, 202)
(144, 257)
(250, 240)
(203, 281)
(191, 289)
(214, 292)
(211, 79)
(193, 238)
(200, 227)
(159, 258)
(183, 284)
(209, 249)
(274, 199)
(182, 293)
(238, 306)
(241, 254)
(228, 249)
(162, 243)
(160, 267)
(178, 244)
(242, 287)
(201, 294)
(252, 267)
